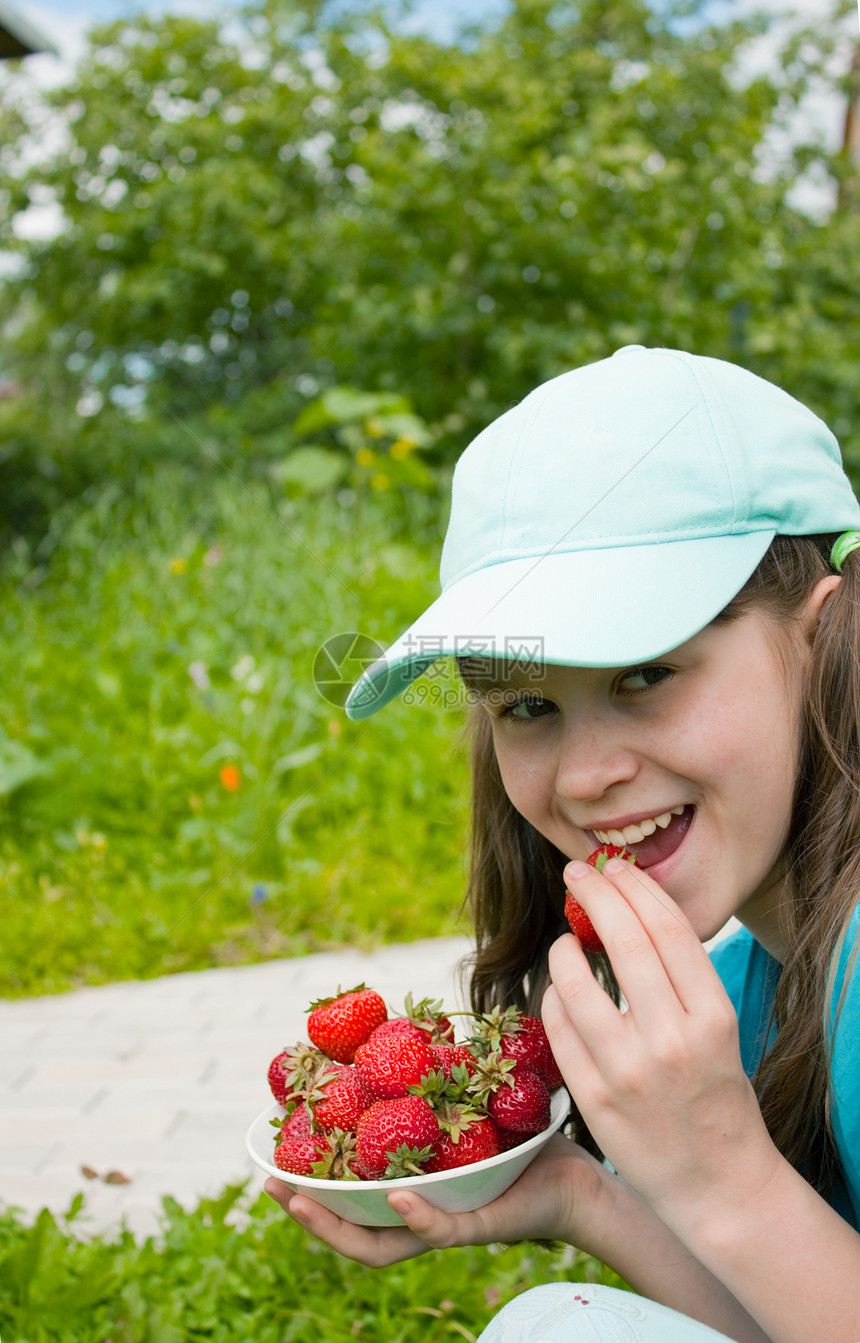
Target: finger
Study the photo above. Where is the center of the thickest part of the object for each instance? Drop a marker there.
(586, 1003)
(279, 1191)
(636, 960)
(583, 1024)
(685, 962)
(373, 1246)
(570, 1051)
(440, 1230)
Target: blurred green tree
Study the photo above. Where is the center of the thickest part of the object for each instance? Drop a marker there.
(306, 196)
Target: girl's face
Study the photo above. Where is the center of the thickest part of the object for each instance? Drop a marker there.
(712, 726)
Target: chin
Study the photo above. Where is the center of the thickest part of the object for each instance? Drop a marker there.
(707, 931)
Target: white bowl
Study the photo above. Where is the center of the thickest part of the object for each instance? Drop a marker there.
(365, 1202)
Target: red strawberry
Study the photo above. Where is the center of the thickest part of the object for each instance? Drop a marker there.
(292, 1071)
(339, 1025)
(328, 1156)
(297, 1124)
(541, 1056)
(477, 1140)
(509, 1139)
(399, 1026)
(601, 856)
(298, 1154)
(552, 1076)
(339, 1099)
(524, 1039)
(532, 1047)
(581, 924)
(427, 1015)
(276, 1077)
(576, 916)
(450, 1055)
(516, 1036)
(395, 1137)
(511, 1092)
(388, 1064)
(522, 1104)
(423, 1021)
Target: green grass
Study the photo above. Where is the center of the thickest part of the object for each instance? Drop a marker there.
(122, 853)
(229, 1271)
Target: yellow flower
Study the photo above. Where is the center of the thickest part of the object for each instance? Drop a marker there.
(379, 481)
(365, 457)
(178, 566)
(373, 428)
(402, 448)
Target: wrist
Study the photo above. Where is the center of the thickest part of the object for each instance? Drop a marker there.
(602, 1210)
(710, 1221)
(631, 1236)
(740, 1211)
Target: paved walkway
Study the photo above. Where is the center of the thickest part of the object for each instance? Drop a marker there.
(157, 1081)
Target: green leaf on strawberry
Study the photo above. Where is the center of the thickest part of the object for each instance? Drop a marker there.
(406, 1161)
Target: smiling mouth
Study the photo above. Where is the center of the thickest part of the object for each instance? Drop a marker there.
(662, 844)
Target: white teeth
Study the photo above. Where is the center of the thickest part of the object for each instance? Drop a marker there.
(634, 834)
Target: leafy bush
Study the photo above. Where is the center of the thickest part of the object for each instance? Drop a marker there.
(312, 195)
(263, 1280)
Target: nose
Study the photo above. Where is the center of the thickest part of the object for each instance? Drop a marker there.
(594, 759)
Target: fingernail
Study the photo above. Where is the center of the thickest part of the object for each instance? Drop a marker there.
(401, 1204)
(298, 1216)
(614, 865)
(575, 870)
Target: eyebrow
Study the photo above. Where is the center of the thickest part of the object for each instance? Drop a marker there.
(480, 678)
(483, 684)
(505, 683)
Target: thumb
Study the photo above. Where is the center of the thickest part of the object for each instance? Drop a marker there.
(439, 1229)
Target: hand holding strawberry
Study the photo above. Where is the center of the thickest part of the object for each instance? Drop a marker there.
(659, 1080)
(537, 1206)
(580, 923)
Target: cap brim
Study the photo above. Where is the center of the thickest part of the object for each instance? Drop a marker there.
(588, 608)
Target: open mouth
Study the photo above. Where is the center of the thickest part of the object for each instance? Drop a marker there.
(662, 844)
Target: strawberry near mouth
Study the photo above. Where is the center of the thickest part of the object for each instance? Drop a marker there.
(662, 844)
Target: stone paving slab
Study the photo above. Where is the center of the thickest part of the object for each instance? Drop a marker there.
(160, 1079)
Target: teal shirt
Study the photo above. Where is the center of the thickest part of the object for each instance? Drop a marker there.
(749, 975)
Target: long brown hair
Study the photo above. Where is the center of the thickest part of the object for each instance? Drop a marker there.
(516, 891)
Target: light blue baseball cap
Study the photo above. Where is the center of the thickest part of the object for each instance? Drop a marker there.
(612, 513)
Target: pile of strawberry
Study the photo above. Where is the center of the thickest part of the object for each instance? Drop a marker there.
(373, 1097)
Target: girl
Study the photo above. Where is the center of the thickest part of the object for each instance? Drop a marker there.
(655, 606)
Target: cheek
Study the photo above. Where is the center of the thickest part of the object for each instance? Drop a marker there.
(529, 791)
(748, 749)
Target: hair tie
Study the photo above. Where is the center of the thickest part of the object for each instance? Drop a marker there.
(847, 542)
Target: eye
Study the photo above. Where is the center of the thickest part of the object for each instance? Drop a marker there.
(527, 710)
(659, 673)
